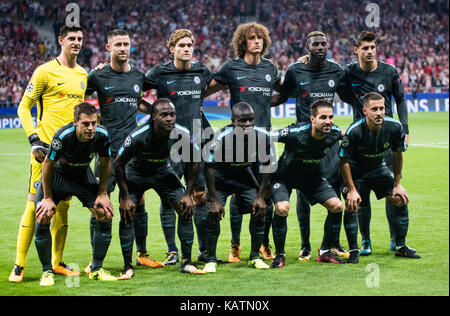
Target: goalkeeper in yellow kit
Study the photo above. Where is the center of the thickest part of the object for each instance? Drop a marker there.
(56, 87)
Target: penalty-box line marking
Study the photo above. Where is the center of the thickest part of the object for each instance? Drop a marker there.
(443, 145)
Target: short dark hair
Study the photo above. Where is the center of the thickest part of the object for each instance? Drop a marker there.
(159, 101)
(319, 103)
(117, 32)
(364, 36)
(84, 107)
(371, 96)
(64, 30)
(241, 107)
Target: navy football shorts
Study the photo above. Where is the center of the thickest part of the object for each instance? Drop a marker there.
(313, 186)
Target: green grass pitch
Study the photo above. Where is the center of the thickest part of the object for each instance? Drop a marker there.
(425, 176)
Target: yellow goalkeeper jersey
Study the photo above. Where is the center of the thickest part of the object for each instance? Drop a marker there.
(56, 90)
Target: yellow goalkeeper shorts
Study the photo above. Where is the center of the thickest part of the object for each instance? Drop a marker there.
(35, 175)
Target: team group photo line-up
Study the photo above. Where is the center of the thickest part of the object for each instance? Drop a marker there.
(320, 160)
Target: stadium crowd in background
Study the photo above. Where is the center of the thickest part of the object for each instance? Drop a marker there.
(413, 34)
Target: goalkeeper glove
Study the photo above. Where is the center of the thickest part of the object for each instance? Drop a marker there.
(38, 145)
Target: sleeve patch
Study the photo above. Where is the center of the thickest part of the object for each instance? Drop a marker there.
(345, 142)
(56, 144)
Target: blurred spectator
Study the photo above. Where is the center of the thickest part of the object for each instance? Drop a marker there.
(413, 34)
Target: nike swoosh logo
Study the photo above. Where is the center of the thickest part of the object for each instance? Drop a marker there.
(107, 88)
(241, 77)
(303, 83)
(355, 84)
(171, 81)
(60, 83)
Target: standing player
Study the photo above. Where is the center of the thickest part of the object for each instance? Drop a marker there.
(143, 163)
(252, 79)
(306, 144)
(371, 75)
(55, 87)
(183, 82)
(320, 78)
(119, 89)
(235, 157)
(363, 166)
(65, 173)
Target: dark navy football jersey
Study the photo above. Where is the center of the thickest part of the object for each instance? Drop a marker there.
(184, 87)
(384, 80)
(367, 150)
(252, 84)
(74, 157)
(118, 96)
(302, 153)
(146, 153)
(309, 85)
(233, 151)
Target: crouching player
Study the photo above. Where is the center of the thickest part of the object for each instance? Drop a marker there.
(363, 168)
(306, 144)
(66, 173)
(236, 165)
(143, 163)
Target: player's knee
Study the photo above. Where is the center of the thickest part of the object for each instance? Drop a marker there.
(396, 201)
(199, 197)
(42, 221)
(104, 220)
(282, 208)
(31, 197)
(334, 206)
